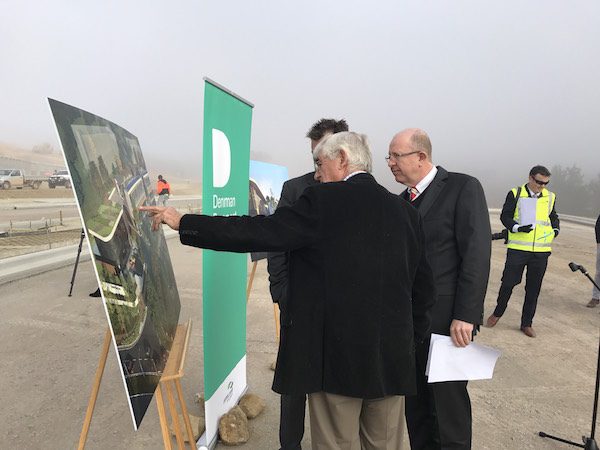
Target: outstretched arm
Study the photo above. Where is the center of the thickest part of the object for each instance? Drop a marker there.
(287, 229)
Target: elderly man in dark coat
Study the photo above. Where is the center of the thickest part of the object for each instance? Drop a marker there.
(360, 289)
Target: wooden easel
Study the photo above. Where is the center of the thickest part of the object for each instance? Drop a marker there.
(172, 373)
(251, 280)
(275, 305)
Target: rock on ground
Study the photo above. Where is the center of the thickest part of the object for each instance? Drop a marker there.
(252, 405)
(233, 427)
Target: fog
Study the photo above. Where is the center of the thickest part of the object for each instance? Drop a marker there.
(499, 86)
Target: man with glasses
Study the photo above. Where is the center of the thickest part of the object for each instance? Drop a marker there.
(457, 230)
(529, 243)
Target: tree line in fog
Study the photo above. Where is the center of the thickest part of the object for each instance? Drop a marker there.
(575, 195)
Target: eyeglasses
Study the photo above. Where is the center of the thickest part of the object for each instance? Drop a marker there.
(397, 156)
(540, 182)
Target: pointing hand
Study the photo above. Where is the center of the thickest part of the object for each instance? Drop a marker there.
(160, 214)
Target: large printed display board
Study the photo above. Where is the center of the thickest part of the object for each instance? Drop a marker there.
(226, 155)
(132, 262)
(266, 183)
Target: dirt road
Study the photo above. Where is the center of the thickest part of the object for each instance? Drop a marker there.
(43, 192)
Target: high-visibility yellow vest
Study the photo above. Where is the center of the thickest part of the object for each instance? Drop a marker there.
(540, 239)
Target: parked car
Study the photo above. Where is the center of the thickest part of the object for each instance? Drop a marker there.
(59, 178)
(16, 178)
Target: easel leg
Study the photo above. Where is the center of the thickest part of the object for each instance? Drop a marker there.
(174, 416)
(251, 280)
(160, 404)
(76, 262)
(186, 417)
(95, 389)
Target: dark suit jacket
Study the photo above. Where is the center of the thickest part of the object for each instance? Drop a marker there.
(457, 230)
(359, 285)
(277, 262)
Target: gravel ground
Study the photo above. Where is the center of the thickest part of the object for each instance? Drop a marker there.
(51, 346)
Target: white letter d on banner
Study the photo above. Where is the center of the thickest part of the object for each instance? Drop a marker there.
(221, 158)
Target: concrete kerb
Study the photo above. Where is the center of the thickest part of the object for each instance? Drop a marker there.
(23, 266)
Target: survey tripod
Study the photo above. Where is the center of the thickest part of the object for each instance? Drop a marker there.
(81, 238)
(588, 443)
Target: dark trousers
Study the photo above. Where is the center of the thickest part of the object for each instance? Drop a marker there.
(439, 416)
(516, 261)
(291, 421)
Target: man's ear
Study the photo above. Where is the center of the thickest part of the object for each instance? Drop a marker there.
(343, 159)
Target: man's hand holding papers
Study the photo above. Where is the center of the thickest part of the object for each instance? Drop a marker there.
(447, 362)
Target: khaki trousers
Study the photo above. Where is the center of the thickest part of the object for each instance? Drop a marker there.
(347, 423)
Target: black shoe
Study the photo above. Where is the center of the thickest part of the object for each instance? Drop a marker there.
(96, 293)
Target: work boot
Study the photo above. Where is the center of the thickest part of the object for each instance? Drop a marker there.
(593, 303)
(492, 321)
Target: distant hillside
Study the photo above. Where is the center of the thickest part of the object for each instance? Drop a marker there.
(12, 156)
(12, 151)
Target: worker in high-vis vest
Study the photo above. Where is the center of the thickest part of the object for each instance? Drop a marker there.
(529, 215)
(163, 190)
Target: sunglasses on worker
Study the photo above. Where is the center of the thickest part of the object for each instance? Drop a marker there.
(540, 182)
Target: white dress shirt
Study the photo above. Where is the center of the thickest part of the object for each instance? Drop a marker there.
(424, 183)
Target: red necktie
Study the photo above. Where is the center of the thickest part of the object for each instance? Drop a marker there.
(413, 193)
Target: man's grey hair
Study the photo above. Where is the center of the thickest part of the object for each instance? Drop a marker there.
(355, 145)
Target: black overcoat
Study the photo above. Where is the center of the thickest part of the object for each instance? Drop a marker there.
(360, 286)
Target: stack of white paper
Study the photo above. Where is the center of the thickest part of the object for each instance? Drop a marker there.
(447, 362)
(527, 211)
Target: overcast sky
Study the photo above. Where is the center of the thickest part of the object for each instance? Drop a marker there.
(499, 86)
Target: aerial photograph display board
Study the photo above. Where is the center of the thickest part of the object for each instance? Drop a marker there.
(132, 262)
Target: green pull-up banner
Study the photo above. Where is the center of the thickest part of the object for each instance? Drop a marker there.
(226, 156)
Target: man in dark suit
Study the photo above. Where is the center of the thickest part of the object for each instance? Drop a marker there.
(360, 289)
(457, 231)
(291, 419)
